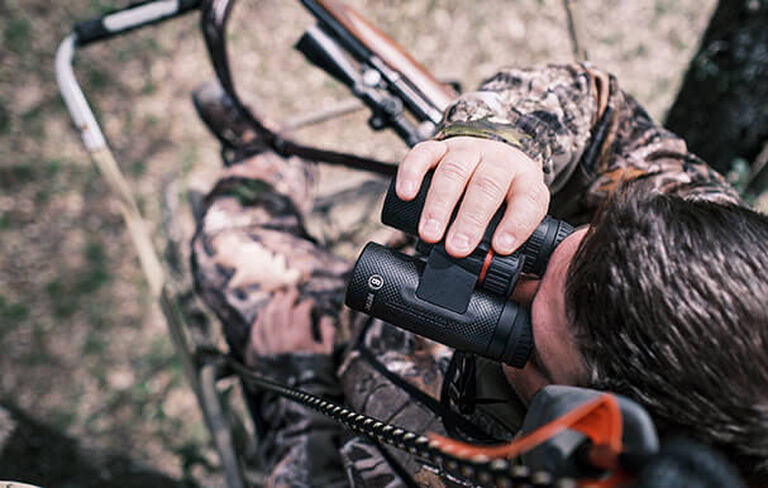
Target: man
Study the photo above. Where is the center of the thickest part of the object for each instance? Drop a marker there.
(636, 303)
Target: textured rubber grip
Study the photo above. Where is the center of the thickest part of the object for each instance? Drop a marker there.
(89, 31)
(542, 243)
(404, 215)
(384, 283)
(132, 17)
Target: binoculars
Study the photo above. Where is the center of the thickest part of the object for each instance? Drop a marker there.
(460, 302)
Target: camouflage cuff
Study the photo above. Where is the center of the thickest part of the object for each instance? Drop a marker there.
(485, 129)
(510, 134)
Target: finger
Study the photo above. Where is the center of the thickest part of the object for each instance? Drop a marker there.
(299, 333)
(527, 204)
(423, 157)
(486, 191)
(448, 183)
(253, 349)
(278, 329)
(258, 336)
(281, 308)
(327, 334)
(267, 322)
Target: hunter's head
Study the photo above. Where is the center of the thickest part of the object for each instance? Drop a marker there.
(665, 301)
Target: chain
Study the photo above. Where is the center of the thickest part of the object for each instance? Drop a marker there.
(485, 472)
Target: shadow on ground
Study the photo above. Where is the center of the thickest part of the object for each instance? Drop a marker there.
(34, 453)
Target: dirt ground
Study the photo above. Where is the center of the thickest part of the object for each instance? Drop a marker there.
(83, 349)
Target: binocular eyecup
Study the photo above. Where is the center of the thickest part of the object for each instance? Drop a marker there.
(461, 302)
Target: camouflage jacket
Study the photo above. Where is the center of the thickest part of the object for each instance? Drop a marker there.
(587, 134)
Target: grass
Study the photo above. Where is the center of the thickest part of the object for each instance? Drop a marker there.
(5, 117)
(99, 7)
(12, 311)
(17, 35)
(15, 175)
(6, 221)
(71, 288)
(97, 78)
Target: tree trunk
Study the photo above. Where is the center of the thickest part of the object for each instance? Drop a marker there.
(722, 107)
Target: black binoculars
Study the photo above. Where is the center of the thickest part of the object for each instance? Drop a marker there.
(463, 303)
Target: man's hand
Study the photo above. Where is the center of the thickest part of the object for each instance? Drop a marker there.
(491, 172)
(285, 326)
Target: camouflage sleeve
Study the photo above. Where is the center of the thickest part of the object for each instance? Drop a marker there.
(258, 270)
(300, 447)
(585, 132)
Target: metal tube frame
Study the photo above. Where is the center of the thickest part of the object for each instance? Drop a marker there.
(202, 374)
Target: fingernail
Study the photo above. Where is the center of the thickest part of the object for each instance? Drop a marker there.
(460, 242)
(431, 229)
(505, 243)
(407, 188)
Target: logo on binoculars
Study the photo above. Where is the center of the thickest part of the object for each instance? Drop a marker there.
(375, 282)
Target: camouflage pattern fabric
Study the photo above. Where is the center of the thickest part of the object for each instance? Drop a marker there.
(587, 134)
(251, 247)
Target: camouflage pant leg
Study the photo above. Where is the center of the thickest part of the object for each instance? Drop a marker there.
(251, 242)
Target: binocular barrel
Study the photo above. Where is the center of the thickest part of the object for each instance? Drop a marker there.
(384, 284)
(405, 215)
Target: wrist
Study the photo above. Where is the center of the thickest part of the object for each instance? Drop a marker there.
(522, 144)
(484, 129)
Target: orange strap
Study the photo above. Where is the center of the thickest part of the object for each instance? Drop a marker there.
(599, 419)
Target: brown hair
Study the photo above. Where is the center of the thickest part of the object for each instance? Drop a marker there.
(670, 301)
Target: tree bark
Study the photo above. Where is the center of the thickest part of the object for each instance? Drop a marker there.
(722, 107)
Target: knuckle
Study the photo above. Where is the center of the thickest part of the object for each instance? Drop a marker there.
(473, 219)
(437, 208)
(543, 191)
(442, 211)
(421, 155)
(407, 172)
(537, 196)
(453, 170)
(520, 228)
(489, 186)
(531, 201)
(524, 226)
(432, 149)
(462, 142)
